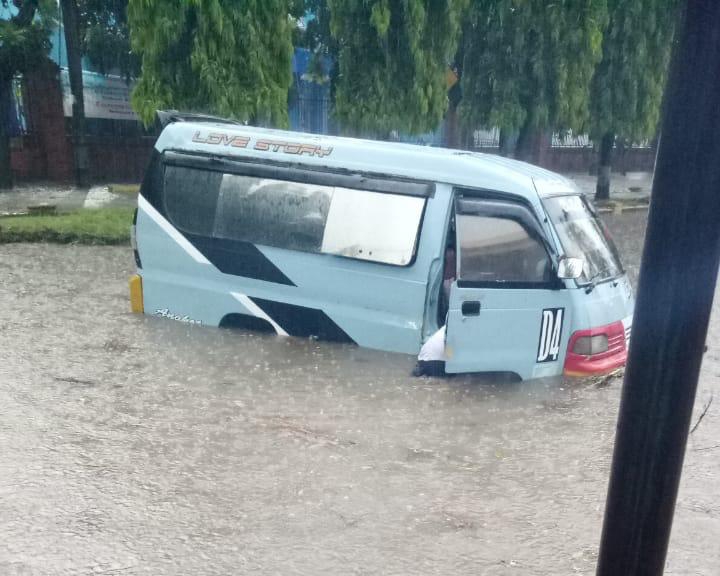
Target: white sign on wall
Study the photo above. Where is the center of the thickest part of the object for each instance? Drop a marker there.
(105, 96)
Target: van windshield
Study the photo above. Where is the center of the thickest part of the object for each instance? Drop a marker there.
(583, 235)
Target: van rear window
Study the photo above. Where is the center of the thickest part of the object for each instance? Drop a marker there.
(191, 198)
(360, 224)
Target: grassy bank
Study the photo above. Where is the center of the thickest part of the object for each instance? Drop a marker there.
(98, 227)
(127, 189)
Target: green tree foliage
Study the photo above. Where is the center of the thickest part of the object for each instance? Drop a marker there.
(229, 58)
(23, 37)
(393, 58)
(528, 64)
(317, 36)
(628, 84)
(320, 41)
(106, 36)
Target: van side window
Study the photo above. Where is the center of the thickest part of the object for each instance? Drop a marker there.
(272, 212)
(360, 224)
(494, 249)
(373, 226)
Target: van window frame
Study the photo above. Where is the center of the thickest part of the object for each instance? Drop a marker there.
(523, 213)
(304, 174)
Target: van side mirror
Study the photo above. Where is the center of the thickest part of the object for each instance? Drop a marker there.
(570, 268)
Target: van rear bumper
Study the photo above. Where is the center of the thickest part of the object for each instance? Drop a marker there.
(137, 304)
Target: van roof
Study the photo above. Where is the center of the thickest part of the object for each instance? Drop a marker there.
(456, 167)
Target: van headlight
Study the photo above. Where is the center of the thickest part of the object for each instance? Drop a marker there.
(589, 345)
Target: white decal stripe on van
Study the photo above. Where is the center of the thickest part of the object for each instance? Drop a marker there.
(171, 231)
(258, 312)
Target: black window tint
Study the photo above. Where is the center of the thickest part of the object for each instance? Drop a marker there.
(191, 198)
(272, 212)
(499, 250)
(152, 184)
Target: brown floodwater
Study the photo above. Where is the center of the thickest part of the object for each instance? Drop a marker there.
(133, 445)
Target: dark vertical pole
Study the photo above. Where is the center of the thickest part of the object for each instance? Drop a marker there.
(6, 174)
(71, 26)
(677, 282)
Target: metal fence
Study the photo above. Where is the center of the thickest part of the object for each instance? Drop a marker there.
(309, 107)
(486, 138)
(567, 139)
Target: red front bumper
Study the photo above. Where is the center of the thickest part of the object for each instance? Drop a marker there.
(602, 363)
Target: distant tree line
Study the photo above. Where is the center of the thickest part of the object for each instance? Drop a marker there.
(527, 67)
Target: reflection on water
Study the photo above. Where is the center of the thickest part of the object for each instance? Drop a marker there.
(138, 445)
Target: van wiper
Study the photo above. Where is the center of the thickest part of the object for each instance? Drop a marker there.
(590, 286)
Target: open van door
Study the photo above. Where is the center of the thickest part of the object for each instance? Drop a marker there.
(507, 311)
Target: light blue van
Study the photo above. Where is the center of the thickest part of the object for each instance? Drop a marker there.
(346, 240)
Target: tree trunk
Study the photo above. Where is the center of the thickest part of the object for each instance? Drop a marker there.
(507, 142)
(453, 132)
(71, 25)
(452, 128)
(522, 145)
(6, 177)
(529, 144)
(602, 190)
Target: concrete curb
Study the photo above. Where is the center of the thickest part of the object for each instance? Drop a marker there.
(619, 209)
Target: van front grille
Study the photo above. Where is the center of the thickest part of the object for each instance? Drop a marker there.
(616, 343)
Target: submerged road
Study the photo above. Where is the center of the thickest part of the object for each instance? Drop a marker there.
(132, 445)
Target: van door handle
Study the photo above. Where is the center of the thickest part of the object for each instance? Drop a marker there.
(471, 308)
